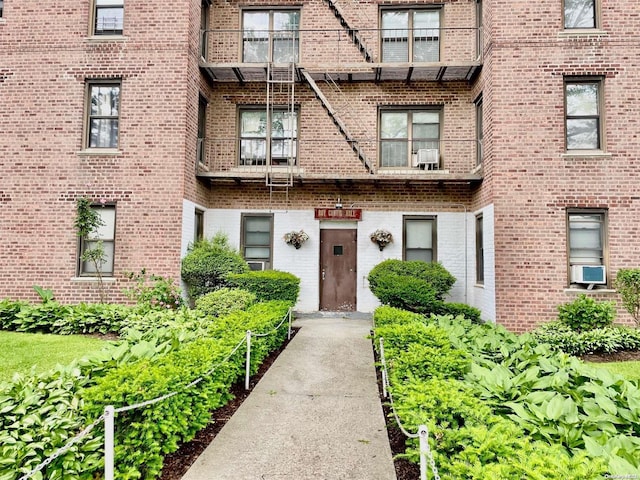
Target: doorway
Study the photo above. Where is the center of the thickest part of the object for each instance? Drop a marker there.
(338, 272)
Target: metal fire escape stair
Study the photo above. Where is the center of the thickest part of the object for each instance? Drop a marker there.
(354, 35)
(280, 81)
(338, 122)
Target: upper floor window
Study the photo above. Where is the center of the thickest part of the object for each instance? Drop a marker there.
(583, 118)
(587, 232)
(103, 117)
(410, 138)
(257, 239)
(270, 36)
(1, 7)
(103, 236)
(202, 129)
(108, 17)
(479, 131)
(410, 35)
(268, 139)
(419, 238)
(205, 10)
(579, 14)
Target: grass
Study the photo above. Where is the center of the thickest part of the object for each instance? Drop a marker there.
(630, 370)
(22, 351)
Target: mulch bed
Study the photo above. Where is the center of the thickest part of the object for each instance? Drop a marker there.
(612, 357)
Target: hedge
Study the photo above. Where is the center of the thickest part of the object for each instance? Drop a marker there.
(268, 285)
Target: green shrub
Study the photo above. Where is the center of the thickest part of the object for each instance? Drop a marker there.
(208, 263)
(153, 291)
(386, 315)
(456, 309)
(268, 285)
(224, 301)
(585, 313)
(599, 340)
(434, 274)
(8, 312)
(405, 292)
(628, 285)
(423, 361)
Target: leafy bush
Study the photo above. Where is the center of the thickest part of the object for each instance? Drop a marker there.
(599, 340)
(153, 291)
(628, 285)
(455, 309)
(268, 285)
(434, 274)
(208, 263)
(585, 313)
(224, 301)
(408, 293)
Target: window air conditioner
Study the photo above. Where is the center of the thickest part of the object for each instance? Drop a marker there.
(255, 265)
(427, 157)
(591, 274)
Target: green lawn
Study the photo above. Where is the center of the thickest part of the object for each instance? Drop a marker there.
(630, 370)
(21, 351)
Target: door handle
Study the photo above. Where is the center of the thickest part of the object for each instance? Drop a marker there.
(323, 274)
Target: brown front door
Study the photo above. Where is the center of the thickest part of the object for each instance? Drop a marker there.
(338, 275)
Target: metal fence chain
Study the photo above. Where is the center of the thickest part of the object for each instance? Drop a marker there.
(62, 450)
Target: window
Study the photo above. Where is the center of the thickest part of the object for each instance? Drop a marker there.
(108, 17)
(204, 26)
(479, 249)
(198, 229)
(420, 238)
(270, 36)
(587, 237)
(479, 132)
(583, 120)
(263, 142)
(1, 7)
(103, 121)
(579, 14)
(105, 235)
(256, 240)
(410, 35)
(410, 138)
(202, 129)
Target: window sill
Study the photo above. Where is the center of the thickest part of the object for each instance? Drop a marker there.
(479, 285)
(93, 152)
(576, 290)
(586, 154)
(106, 38)
(93, 279)
(582, 32)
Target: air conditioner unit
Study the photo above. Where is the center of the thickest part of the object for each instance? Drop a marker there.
(427, 158)
(255, 265)
(591, 274)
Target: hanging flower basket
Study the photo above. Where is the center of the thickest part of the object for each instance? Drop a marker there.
(382, 238)
(296, 238)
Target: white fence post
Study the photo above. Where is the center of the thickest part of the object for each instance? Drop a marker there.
(109, 427)
(423, 433)
(248, 373)
(289, 332)
(384, 369)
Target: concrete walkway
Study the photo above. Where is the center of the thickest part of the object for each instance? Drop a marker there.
(316, 414)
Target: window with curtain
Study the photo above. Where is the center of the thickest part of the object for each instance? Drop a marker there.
(404, 132)
(262, 143)
(587, 237)
(410, 35)
(419, 238)
(105, 234)
(257, 238)
(270, 36)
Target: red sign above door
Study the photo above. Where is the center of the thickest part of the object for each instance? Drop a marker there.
(338, 213)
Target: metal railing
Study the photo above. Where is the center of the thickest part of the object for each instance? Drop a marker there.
(241, 155)
(329, 46)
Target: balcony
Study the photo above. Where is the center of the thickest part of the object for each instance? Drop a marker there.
(331, 160)
(434, 54)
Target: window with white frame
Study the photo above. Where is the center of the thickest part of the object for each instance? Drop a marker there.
(580, 14)
(268, 138)
(410, 35)
(587, 242)
(108, 17)
(410, 138)
(103, 114)
(257, 240)
(270, 36)
(104, 237)
(419, 238)
(583, 115)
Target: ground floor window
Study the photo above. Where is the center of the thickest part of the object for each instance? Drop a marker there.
(257, 240)
(587, 245)
(419, 238)
(479, 249)
(105, 236)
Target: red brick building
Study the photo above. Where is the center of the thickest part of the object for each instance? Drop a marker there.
(496, 137)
